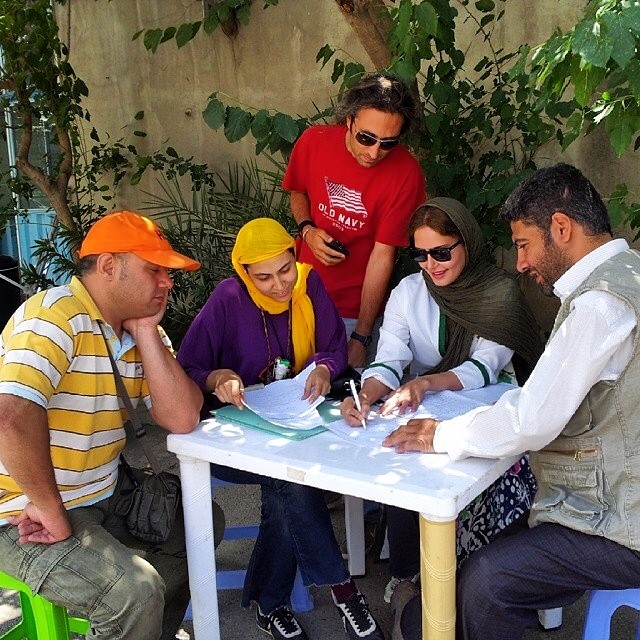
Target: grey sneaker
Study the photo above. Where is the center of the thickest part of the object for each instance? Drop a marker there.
(357, 619)
(404, 591)
(394, 582)
(280, 624)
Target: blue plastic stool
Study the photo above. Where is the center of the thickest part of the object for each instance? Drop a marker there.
(41, 619)
(300, 598)
(602, 605)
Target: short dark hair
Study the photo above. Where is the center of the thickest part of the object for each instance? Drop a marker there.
(559, 188)
(87, 264)
(381, 91)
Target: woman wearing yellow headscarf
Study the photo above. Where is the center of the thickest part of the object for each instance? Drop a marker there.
(269, 321)
(261, 324)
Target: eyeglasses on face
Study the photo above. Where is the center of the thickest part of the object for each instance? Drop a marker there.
(367, 139)
(441, 254)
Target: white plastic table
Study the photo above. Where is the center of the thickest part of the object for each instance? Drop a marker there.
(430, 484)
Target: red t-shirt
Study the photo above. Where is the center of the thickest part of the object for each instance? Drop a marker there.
(359, 206)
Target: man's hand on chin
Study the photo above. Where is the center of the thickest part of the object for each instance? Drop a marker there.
(416, 435)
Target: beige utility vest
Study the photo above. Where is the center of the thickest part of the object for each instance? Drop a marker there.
(589, 476)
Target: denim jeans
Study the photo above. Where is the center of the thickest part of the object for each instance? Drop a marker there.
(104, 574)
(295, 531)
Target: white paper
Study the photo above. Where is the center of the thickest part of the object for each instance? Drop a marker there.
(441, 405)
(280, 402)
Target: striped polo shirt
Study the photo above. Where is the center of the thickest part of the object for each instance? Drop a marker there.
(53, 353)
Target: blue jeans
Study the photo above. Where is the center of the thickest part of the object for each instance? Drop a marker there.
(295, 531)
(129, 589)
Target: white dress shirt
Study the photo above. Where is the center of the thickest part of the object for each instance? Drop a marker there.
(594, 343)
(410, 335)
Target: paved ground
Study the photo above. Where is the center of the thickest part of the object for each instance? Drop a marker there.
(241, 506)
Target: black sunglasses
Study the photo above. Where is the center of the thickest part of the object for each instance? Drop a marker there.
(441, 254)
(368, 140)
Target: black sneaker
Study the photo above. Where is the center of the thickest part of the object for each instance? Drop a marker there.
(281, 624)
(357, 619)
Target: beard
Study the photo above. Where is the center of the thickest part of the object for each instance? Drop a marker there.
(550, 268)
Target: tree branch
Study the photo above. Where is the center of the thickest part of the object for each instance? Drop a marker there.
(56, 193)
(371, 23)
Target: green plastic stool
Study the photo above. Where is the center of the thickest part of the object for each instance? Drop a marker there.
(41, 619)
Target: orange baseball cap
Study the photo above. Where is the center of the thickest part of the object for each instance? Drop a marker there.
(129, 232)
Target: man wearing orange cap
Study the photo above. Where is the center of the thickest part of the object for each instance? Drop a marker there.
(61, 432)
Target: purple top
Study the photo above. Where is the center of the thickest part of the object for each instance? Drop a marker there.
(228, 333)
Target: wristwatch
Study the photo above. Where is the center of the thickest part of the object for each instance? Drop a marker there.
(365, 340)
(303, 224)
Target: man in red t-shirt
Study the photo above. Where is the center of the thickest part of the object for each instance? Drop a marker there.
(352, 182)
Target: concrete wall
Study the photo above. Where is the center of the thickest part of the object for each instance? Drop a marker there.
(271, 63)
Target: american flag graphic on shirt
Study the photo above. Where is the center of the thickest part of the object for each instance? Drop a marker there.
(348, 199)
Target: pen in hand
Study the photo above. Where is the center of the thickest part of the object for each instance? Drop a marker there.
(356, 399)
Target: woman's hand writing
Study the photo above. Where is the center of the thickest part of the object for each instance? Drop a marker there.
(350, 413)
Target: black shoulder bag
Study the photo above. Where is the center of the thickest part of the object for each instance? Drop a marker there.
(148, 498)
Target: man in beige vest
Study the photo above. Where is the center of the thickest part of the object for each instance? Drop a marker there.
(578, 415)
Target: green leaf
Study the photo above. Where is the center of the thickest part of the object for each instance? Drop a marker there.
(591, 43)
(441, 93)
(286, 127)
(630, 14)
(261, 145)
(325, 54)
(585, 79)
(432, 122)
(139, 115)
(624, 44)
(487, 19)
(211, 22)
(186, 33)
(237, 125)
(616, 204)
(215, 113)
(427, 18)
(338, 68)
(497, 97)
(353, 71)
(243, 14)
(152, 39)
(405, 71)
(621, 125)
(574, 127)
(172, 152)
(261, 125)
(81, 87)
(457, 57)
(140, 134)
(633, 75)
(485, 5)
(169, 32)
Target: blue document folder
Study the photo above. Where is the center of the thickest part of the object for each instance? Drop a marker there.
(329, 411)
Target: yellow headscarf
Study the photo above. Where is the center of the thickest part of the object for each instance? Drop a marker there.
(262, 239)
